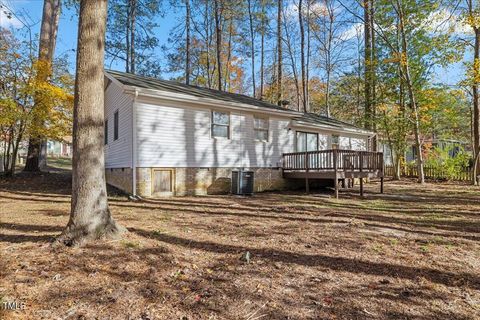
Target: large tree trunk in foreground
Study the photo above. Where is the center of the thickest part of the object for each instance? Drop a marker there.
(36, 159)
(90, 216)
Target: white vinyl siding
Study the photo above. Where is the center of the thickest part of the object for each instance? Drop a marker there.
(118, 153)
(180, 136)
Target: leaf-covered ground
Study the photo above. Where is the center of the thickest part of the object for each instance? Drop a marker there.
(411, 253)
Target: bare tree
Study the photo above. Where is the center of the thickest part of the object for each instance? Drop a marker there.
(252, 44)
(302, 56)
(187, 42)
(131, 21)
(90, 216)
(290, 46)
(368, 34)
(218, 32)
(279, 52)
(332, 45)
(410, 89)
(36, 157)
(263, 27)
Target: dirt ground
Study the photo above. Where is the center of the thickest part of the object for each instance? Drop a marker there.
(411, 253)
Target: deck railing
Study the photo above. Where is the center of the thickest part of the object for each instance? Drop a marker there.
(334, 159)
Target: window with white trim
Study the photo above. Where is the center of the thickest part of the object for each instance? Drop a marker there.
(220, 124)
(260, 126)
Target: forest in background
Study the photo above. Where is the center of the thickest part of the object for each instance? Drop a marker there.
(373, 63)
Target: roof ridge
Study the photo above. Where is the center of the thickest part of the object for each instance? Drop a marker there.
(173, 82)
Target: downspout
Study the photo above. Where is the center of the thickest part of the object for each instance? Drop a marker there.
(134, 144)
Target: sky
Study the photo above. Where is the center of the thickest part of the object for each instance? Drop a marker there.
(30, 12)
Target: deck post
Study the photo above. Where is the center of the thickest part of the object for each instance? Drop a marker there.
(335, 169)
(307, 185)
(361, 177)
(361, 186)
(382, 166)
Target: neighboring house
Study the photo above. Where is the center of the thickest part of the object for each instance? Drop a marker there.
(163, 137)
(53, 148)
(60, 148)
(452, 146)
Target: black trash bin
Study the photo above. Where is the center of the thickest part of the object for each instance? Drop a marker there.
(242, 182)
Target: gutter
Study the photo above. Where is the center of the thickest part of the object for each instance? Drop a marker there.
(334, 129)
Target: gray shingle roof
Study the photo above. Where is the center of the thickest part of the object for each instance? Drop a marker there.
(314, 118)
(177, 87)
(173, 86)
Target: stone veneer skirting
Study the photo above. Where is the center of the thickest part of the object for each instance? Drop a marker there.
(120, 178)
(198, 181)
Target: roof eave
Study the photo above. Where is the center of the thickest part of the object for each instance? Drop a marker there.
(332, 128)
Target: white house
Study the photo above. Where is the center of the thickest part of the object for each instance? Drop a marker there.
(164, 137)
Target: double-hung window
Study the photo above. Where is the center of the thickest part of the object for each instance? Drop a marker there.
(260, 126)
(220, 124)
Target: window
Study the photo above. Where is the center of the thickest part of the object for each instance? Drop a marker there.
(260, 126)
(115, 125)
(335, 141)
(220, 125)
(106, 132)
(307, 141)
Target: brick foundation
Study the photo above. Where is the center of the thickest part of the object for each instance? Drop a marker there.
(198, 181)
(120, 178)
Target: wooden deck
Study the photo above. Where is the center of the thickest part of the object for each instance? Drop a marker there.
(338, 165)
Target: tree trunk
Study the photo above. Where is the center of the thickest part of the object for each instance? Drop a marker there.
(307, 64)
(302, 55)
(127, 37)
(279, 52)
(133, 15)
(476, 101)
(207, 44)
(48, 33)
(252, 45)
(411, 93)
(227, 85)
(90, 216)
(475, 90)
(294, 68)
(373, 75)
(218, 32)
(262, 50)
(187, 42)
(368, 63)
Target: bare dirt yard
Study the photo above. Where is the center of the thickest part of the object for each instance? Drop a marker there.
(411, 253)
